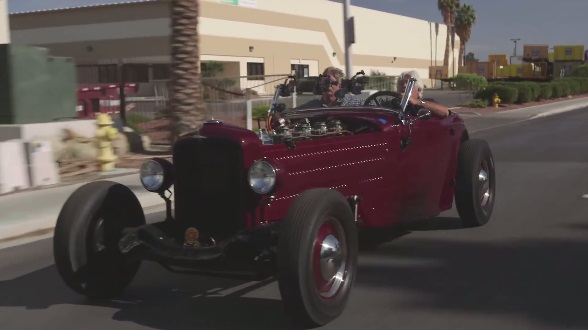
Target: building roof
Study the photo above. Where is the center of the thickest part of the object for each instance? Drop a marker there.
(109, 4)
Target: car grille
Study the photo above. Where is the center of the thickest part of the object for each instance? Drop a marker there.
(209, 186)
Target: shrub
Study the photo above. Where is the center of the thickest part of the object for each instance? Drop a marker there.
(580, 71)
(545, 91)
(478, 103)
(134, 119)
(507, 94)
(470, 82)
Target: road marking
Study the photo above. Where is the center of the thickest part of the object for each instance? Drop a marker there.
(585, 196)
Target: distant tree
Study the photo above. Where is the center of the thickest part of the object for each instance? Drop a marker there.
(464, 21)
(448, 9)
(470, 57)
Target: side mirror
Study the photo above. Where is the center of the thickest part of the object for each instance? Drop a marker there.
(424, 114)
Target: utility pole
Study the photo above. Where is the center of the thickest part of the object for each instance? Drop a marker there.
(349, 31)
(4, 23)
(515, 40)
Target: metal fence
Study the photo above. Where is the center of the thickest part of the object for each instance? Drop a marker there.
(231, 99)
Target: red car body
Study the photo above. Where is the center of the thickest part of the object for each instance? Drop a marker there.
(395, 185)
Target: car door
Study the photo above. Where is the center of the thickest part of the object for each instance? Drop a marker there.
(423, 166)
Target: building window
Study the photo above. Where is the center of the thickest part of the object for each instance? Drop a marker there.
(136, 73)
(160, 71)
(255, 71)
(300, 70)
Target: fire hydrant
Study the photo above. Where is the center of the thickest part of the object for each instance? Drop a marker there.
(495, 100)
(105, 135)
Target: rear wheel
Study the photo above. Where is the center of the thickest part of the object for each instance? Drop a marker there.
(475, 183)
(317, 257)
(85, 244)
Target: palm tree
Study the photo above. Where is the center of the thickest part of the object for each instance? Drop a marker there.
(447, 9)
(464, 21)
(187, 110)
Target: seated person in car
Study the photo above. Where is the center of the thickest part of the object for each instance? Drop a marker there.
(416, 101)
(333, 95)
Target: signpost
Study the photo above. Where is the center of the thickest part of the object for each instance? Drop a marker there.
(349, 31)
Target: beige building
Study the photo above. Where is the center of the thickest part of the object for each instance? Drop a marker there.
(249, 38)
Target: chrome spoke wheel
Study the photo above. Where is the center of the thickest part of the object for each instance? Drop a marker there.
(329, 258)
(485, 190)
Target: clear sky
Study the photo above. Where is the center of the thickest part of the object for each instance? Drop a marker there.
(561, 22)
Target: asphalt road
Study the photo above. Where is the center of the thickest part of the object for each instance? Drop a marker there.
(526, 269)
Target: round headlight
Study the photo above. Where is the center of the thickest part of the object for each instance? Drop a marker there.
(155, 175)
(262, 177)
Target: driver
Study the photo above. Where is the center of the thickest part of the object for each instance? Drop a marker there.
(333, 95)
(416, 101)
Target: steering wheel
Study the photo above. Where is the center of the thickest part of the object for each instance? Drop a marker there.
(387, 99)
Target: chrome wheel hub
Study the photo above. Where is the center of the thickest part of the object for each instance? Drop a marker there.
(331, 257)
(484, 184)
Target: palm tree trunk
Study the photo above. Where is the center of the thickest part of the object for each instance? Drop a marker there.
(461, 54)
(447, 46)
(187, 110)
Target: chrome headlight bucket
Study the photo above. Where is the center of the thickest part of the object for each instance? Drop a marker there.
(262, 177)
(156, 175)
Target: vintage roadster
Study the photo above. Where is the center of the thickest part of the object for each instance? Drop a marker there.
(288, 202)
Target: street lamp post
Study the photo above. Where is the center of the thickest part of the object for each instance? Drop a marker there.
(515, 40)
(4, 24)
(349, 32)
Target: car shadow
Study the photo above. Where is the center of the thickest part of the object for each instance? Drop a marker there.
(159, 300)
(436, 223)
(540, 280)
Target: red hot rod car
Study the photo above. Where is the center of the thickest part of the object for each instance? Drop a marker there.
(288, 201)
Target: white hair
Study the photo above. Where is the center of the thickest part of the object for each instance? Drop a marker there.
(415, 75)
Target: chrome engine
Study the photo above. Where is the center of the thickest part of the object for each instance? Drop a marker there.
(304, 129)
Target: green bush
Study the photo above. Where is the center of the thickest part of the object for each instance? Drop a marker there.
(535, 89)
(580, 71)
(507, 94)
(545, 91)
(478, 103)
(559, 89)
(259, 112)
(470, 82)
(134, 119)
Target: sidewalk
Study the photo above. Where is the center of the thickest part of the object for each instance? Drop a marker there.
(37, 210)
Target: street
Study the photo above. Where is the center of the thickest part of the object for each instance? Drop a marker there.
(526, 269)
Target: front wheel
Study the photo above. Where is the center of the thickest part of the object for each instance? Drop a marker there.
(85, 244)
(475, 190)
(317, 257)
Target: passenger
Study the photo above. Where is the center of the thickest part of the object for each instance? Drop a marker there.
(332, 96)
(416, 101)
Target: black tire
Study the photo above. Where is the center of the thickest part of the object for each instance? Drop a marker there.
(473, 207)
(104, 273)
(299, 243)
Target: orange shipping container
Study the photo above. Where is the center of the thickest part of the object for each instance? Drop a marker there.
(501, 59)
(438, 72)
(536, 51)
(485, 69)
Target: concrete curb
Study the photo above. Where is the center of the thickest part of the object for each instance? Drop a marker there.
(16, 223)
(47, 223)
